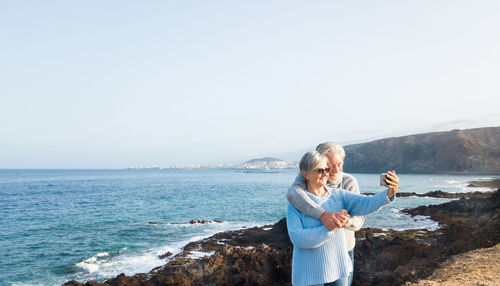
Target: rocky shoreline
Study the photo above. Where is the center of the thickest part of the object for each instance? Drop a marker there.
(262, 255)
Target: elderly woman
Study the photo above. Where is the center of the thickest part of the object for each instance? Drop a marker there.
(319, 255)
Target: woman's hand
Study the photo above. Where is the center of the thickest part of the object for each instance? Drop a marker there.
(343, 217)
(334, 220)
(392, 183)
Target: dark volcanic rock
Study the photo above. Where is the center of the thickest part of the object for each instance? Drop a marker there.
(163, 256)
(470, 223)
(202, 221)
(440, 194)
(263, 255)
(230, 266)
(392, 257)
(493, 184)
(255, 256)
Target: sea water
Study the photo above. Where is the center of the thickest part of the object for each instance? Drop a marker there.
(61, 225)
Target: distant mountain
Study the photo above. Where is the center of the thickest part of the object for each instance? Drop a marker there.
(266, 159)
(265, 163)
(480, 121)
(470, 151)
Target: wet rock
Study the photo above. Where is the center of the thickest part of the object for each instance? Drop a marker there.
(410, 255)
(202, 221)
(163, 256)
(262, 256)
(438, 194)
(493, 184)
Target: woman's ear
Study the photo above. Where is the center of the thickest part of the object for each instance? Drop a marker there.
(305, 174)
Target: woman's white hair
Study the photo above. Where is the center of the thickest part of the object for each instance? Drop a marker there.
(311, 161)
(330, 148)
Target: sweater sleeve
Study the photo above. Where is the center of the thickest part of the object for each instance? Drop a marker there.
(362, 205)
(306, 238)
(351, 184)
(298, 198)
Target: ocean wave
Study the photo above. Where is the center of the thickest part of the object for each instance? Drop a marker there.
(108, 264)
(180, 224)
(396, 220)
(463, 185)
(200, 254)
(455, 182)
(405, 222)
(104, 265)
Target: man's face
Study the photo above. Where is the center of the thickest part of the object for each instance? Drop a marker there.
(335, 162)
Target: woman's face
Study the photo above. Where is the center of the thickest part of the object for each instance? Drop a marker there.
(319, 176)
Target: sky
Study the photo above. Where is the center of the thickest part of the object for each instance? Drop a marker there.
(113, 84)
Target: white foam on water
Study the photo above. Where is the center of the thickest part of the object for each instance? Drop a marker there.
(426, 222)
(402, 221)
(104, 265)
(102, 254)
(200, 254)
(462, 185)
(393, 218)
(456, 182)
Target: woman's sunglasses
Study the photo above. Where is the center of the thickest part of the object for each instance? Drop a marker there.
(323, 171)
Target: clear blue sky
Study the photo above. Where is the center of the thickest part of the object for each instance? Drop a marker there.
(110, 84)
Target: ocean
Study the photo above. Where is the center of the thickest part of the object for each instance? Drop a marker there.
(61, 225)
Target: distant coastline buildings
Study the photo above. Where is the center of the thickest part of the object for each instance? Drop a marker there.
(267, 163)
(471, 151)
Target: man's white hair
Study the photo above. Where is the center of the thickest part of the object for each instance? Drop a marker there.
(330, 148)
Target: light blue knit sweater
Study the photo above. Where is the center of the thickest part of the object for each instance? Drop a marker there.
(319, 255)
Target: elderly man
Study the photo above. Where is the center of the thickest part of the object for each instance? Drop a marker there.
(337, 180)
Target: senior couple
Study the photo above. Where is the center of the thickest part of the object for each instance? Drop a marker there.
(325, 208)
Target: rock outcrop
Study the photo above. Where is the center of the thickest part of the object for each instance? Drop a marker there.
(265, 163)
(254, 256)
(471, 151)
(202, 221)
(396, 257)
(439, 194)
(262, 255)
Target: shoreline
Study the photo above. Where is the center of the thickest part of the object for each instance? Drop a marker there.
(262, 255)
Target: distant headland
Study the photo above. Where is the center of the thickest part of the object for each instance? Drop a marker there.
(469, 151)
(266, 163)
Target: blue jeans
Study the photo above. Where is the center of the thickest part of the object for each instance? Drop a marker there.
(351, 255)
(341, 282)
(347, 280)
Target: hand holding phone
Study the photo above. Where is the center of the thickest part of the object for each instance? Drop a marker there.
(391, 181)
(383, 177)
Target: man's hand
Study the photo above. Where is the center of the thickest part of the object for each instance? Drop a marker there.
(334, 220)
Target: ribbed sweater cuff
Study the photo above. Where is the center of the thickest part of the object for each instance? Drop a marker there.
(381, 198)
(317, 212)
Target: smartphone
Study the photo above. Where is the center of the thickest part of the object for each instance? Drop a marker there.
(383, 176)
